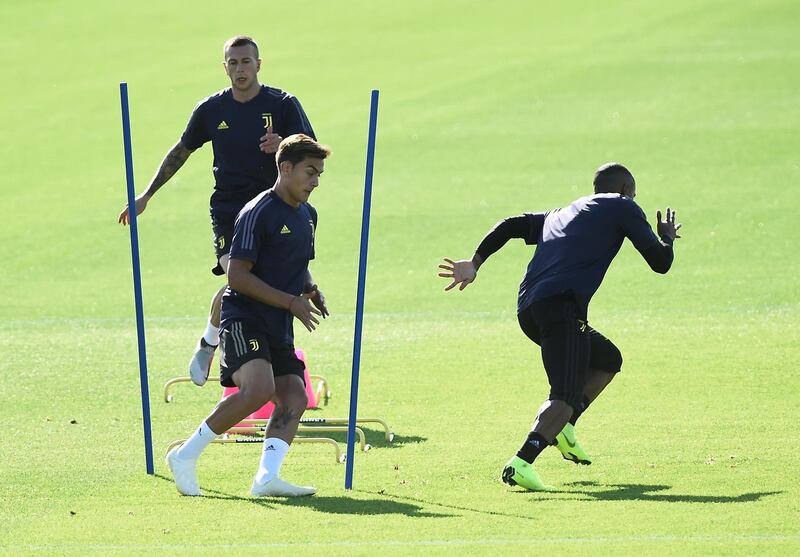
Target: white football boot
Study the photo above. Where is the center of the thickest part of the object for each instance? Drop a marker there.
(276, 487)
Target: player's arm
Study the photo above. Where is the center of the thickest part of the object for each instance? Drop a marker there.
(241, 279)
(317, 297)
(659, 255)
(173, 160)
(464, 271)
(294, 121)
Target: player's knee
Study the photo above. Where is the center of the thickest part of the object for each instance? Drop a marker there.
(565, 401)
(297, 401)
(257, 393)
(614, 363)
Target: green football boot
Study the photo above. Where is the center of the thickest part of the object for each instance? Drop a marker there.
(518, 472)
(567, 443)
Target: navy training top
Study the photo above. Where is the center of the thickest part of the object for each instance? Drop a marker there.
(241, 170)
(279, 240)
(576, 244)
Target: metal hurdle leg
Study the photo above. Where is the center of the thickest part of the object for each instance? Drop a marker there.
(323, 392)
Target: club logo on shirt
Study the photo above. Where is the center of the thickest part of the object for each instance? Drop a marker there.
(285, 230)
(222, 126)
(311, 224)
(582, 325)
(267, 116)
(253, 344)
(221, 242)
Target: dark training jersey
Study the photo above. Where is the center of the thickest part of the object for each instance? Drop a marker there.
(576, 244)
(279, 240)
(241, 170)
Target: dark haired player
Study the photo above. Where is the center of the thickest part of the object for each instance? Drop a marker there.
(268, 285)
(574, 248)
(244, 123)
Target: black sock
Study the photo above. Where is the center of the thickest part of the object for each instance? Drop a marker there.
(580, 410)
(532, 446)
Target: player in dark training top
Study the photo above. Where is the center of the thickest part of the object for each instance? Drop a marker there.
(269, 285)
(244, 123)
(574, 248)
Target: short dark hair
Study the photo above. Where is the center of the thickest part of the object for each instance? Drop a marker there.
(297, 147)
(239, 40)
(610, 178)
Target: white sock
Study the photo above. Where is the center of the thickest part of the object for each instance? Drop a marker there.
(271, 459)
(195, 445)
(211, 335)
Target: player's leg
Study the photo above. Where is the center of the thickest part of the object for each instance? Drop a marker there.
(605, 361)
(200, 364)
(243, 365)
(554, 325)
(290, 403)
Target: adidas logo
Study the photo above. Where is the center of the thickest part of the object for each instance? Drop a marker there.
(222, 126)
(285, 230)
(270, 448)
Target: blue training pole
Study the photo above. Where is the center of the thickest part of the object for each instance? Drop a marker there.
(362, 280)
(137, 278)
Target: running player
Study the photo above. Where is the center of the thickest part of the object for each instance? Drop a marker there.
(269, 285)
(575, 246)
(244, 123)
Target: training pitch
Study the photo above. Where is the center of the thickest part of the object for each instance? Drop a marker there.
(486, 111)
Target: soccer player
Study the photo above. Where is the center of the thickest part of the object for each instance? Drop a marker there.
(574, 248)
(268, 284)
(245, 123)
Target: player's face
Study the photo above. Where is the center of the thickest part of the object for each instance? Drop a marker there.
(303, 178)
(242, 65)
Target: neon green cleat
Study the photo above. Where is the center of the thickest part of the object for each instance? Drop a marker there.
(567, 443)
(518, 472)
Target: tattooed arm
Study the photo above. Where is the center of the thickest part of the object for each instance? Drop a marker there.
(169, 166)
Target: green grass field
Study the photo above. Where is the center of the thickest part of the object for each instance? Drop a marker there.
(486, 110)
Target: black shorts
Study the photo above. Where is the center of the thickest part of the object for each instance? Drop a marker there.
(240, 342)
(222, 224)
(569, 346)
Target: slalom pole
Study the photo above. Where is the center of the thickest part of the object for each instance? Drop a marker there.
(137, 278)
(362, 280)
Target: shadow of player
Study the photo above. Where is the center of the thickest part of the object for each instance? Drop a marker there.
(348, 505)
(648, 492)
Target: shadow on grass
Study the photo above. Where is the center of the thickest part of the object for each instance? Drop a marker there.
(446, 506)
(648, 492)
(332, 505)
(348, 505)
(209, 493)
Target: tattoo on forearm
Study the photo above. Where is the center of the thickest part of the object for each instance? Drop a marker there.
(169, 166)
(282, 417)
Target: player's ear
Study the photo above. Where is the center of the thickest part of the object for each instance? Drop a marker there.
(258, 65)
(285, 167)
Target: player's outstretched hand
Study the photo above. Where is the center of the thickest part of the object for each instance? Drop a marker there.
(668, 227)
(141, 205)
(269, 142)
(462, 272)
(318, 299)
(301, 308)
